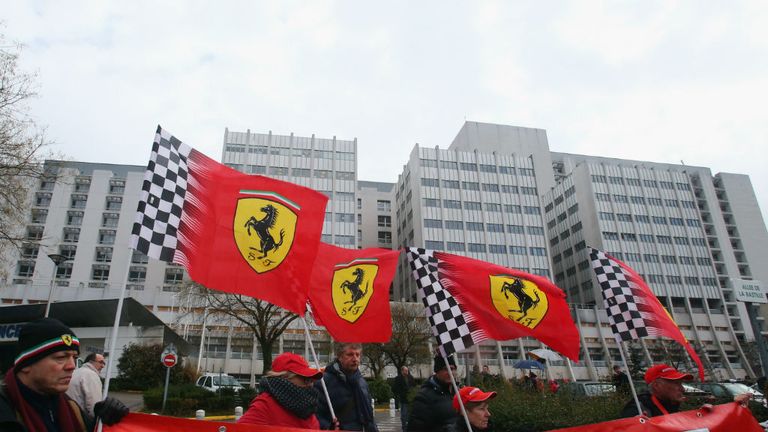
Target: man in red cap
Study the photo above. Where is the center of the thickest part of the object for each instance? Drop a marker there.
(287, 396)
(666, 393)
(475, 403)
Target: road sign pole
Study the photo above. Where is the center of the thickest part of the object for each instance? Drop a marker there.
(165, 392)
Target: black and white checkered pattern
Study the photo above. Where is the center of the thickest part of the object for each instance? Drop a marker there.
(155, 231)
(448, 321)
(626, 320)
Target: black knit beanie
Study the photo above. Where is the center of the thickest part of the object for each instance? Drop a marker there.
(40, 338)
(440, 363)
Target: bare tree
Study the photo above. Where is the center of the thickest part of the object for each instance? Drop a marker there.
(21, 145)
(410, 334)
(265, 320)
(376, 359)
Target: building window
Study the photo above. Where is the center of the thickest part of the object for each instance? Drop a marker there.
(137, 274)
(451, 204)
(103, 254)
(474, 226)
(345, 175)
(383, 205)
(492, 227)
(345, 240)
(490, 187)
(476, 247)
(385, 221)
(345, 217)
(434, 245)
(492, 207)
(497, 249)
(100, 272)
(301, 172)
(517, 250)
(433, 223)
(39, 216)
(385, 237)
(42, 199)
(538, 251)
(107, 237)
(139, 258)
(451, 184)
(117, 187)
(34, 233)
(71, 235)
(64, 271)
(513, 208)
(114, 203)
(515, 229)
(30, 250)
(466, 185)
(456, 247)
(78, 201)
(454, 224)
(109, 220)
(25, 268)
(74, 218)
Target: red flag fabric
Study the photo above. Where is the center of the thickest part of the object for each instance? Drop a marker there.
(136, 422)
(238, 233)
(722, 418)
(349, 293)
(470, 300)
(632, 307)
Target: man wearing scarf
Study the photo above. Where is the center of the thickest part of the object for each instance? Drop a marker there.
(348, 392)
(287, 396)
(32, 398)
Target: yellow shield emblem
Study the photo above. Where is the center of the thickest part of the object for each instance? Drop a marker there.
(67, 339)
(518, 299)
(352, 289)
(264, 231)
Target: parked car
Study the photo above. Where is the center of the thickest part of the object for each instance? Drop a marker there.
(213, 382)
(727, 390)
(588, 388)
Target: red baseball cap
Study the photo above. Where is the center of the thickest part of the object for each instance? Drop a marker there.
(665, 371)
(290, 362)
(471, 394)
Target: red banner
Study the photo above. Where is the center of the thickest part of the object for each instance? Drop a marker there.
(722, 418)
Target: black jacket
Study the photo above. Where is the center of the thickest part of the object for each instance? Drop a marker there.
(432, 408)
(9, 421)
(649, 408)
(401, 386)
(351, 415)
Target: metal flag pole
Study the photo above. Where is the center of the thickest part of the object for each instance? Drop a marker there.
(631, 384)
(116, 325)
(317, 362)
(456, 389)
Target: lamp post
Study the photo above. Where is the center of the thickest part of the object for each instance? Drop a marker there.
(57, 260)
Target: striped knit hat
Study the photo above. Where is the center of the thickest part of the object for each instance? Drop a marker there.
(40, 338)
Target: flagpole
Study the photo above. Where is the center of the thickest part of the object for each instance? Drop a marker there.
(631, 383)
(116, 325)
(456, 389)
(317, 362)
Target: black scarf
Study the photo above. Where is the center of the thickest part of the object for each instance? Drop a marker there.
(300, 401)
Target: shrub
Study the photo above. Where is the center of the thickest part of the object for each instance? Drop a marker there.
(140, 368)
(380, 390)
(183, 400)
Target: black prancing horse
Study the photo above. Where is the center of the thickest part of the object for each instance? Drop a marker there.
(354, 287)
(524, 301)
(262, 227)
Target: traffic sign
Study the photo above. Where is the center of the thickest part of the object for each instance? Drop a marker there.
(169, 360)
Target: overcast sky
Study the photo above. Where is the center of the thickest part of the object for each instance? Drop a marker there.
(661, 81)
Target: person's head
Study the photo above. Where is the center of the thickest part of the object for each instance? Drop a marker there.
(96, 360)
(348, 355)
(616, 368)
(486, 369)
(404, 371)
(666, 383)
(441, 369)
(47, 356)
(295, 369)
(476, 404)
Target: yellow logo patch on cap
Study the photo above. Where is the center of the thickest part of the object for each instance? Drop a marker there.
(67, 339)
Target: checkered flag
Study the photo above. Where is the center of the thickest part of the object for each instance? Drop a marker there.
(619, 298)
(163, 194)
(452, 326)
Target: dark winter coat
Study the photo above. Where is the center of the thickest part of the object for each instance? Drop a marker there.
(351, 400)
(432, 408)
(649, 408)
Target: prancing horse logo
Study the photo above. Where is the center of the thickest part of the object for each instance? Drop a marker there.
(518, 299)
(264, 232)
(352, 289)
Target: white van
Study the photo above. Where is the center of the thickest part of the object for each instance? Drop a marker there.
(213, 382)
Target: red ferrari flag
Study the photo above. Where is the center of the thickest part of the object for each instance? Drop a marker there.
(469, 301)
(633, 310)
(238, 233)
(350, 292)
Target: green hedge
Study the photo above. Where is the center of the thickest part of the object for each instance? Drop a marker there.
(183, 400)
(380, 391)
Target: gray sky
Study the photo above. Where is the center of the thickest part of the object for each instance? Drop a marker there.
(661, 81)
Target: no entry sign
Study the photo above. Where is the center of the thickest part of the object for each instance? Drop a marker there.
(169, 360)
